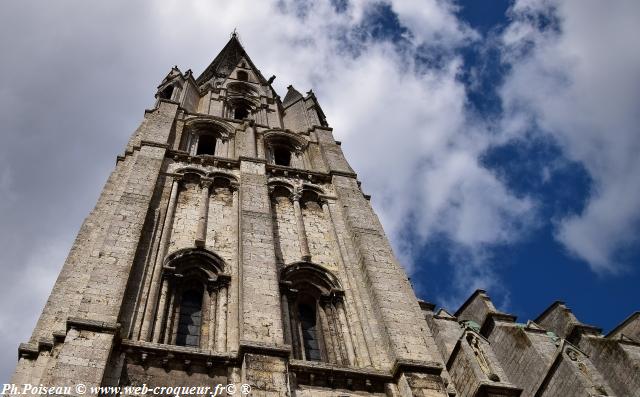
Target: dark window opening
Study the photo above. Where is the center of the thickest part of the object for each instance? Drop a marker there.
(309, 333)
(190, 320)
(206, 145)
(242, 75)
(282, 156)
(240, 112)
(166, 93)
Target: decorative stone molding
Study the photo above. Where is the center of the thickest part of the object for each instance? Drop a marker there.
(92, 325)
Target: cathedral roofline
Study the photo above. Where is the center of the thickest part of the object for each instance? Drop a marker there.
(549, 309)
(469, 300)
(632, 317)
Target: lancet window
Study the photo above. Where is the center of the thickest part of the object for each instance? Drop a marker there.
(192, 307)
(284, 151)
(314, 315)
(207, 137)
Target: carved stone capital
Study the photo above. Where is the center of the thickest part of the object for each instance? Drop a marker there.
(206, 183)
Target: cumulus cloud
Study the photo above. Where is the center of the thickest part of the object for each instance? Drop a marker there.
(575, 74)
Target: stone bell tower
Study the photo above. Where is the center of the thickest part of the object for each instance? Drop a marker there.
(232, 244)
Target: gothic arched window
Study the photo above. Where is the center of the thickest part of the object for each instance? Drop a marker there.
(204, 136)
(283, 150)
(192, 306)
(314, 315)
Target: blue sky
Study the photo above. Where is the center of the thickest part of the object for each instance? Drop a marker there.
(498, 139)
(536, 270)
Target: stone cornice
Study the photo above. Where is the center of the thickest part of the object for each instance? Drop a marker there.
(135, 148)
(290, 172)
(154, 144)
(322, 367)
(28, 350)
(252, 159)
(343, 173)
(93, 325)
(242, 123)
(264, 348)
(405, 365)
(185, 157)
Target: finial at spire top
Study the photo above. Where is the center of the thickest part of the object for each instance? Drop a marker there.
(234, 33)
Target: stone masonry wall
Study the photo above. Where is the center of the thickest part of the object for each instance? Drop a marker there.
(183, 234)
(319, 235)
(287, 241)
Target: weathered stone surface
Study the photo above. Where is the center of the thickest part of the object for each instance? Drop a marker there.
(232, 244)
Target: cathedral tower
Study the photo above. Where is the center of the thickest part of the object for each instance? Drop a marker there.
(232, 244)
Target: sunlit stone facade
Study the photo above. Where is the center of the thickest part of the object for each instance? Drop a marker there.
(232, 244)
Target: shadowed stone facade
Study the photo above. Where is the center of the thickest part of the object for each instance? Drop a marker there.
(233, 244)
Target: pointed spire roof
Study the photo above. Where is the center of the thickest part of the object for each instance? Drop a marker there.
(292, 96)
(227, 60)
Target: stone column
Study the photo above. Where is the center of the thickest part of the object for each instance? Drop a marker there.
(327, 333)
(168, 334)
(251, 137)
(340, 334)
(260, 147)
(336, 332)
(213, 303)
(233, 319)
(344, 326)
(220, 148)
(291, 317)
(221, 319)
(193, 149)
(286, 317)
(232, 147)
(205, 319)
(162, 308)
(165, 237)
(302, 233)
(145, 280)
(201, 236)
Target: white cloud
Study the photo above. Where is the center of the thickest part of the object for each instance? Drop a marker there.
(579, 83)
(433, 22)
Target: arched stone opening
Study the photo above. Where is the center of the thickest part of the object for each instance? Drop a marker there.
(207, 137)
(192, 309)
(314, 315)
